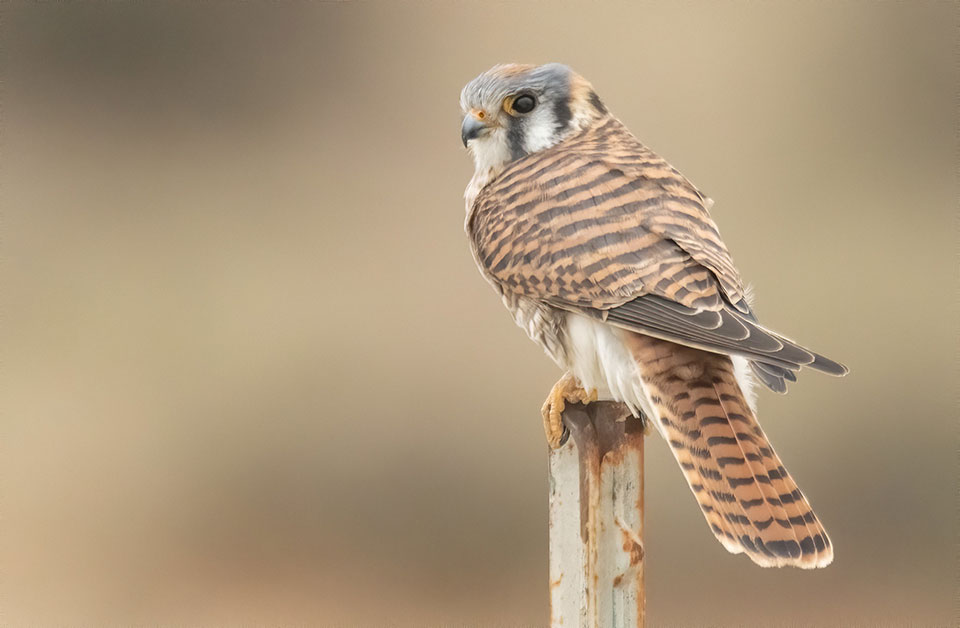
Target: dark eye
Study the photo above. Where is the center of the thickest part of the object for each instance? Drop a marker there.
(524, 103)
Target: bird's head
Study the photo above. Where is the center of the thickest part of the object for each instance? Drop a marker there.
(514, 110)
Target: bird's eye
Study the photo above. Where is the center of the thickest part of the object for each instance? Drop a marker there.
(523, 103)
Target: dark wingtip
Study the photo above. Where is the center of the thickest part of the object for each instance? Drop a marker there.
(773, 377)
(780, 388)
(828, 366)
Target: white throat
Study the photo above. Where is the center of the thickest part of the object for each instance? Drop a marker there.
(491, 154)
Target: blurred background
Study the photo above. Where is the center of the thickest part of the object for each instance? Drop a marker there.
(252, 376)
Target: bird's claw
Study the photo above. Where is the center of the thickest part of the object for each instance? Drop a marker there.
(566, 390)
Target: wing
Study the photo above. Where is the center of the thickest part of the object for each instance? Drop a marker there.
(600, 224)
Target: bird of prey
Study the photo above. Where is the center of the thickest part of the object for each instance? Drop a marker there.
(608, 258)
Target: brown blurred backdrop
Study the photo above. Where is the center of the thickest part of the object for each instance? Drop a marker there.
(252, 376)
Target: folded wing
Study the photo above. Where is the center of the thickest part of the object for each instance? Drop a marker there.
(600, 224)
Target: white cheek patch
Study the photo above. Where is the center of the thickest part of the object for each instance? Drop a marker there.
(539, 130)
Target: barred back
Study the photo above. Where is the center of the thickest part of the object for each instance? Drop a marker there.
(599, 219)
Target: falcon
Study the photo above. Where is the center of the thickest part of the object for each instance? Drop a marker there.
(608, 258)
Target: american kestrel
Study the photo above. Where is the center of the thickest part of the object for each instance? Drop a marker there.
(608, 258)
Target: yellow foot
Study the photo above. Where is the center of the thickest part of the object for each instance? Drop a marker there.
(567, 389)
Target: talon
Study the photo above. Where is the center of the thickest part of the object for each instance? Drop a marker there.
(567, 389)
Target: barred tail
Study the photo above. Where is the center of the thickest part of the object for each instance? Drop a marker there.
(749, 500)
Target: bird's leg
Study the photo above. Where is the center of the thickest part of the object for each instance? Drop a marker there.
(566, 390)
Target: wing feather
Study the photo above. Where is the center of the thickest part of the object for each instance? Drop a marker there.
(600, 224)
(736, 334)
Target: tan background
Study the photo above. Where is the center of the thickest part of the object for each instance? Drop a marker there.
(251, 375)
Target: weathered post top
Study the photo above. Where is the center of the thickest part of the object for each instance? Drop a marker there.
(596, 520)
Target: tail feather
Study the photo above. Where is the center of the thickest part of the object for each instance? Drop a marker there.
(746, 495)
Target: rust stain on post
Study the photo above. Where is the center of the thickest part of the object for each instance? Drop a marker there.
(633, 547)
(596, 520)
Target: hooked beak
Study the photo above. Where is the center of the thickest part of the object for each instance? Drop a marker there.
(471, 128)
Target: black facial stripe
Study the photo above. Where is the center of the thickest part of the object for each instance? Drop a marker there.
(515, 134)
(561, 113)
(597, 103)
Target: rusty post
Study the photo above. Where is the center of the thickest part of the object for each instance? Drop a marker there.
(596, 520)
